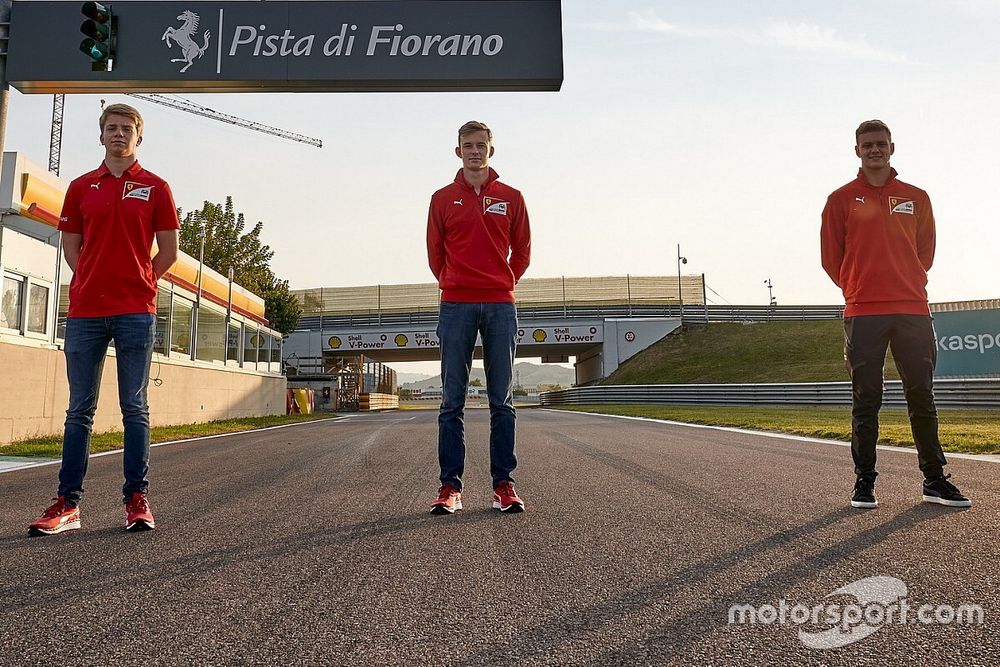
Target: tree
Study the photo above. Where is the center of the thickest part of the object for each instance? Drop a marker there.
(228, 247)
(281, 308)
(475, 382)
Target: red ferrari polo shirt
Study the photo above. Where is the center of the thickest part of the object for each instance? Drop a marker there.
(118, 218)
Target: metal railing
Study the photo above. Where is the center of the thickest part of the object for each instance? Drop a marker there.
(693, 314)
(948, 393)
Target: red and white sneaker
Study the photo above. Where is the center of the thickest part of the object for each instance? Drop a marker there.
(448, 500)
(505, 498)
(57, 518)
(137, 514)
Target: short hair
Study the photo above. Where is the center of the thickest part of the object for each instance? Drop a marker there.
(474, 126)
(873, 125)
(122, 110)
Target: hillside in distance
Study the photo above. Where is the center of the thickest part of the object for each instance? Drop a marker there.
(723, 352)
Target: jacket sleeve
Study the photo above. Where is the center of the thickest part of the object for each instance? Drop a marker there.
(520, 240)
(435, 241)
(833, 238)
(926, 235)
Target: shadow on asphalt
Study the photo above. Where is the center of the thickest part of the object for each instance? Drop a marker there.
(670, 639)
(61, 588)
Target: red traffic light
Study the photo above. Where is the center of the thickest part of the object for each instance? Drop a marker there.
(96, 12)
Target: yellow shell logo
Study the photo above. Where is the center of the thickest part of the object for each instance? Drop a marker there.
(539, 335)
(335, 342)
(257, 340)
(401, 340)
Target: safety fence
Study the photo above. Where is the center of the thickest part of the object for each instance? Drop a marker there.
(428, 315)
(949, 393)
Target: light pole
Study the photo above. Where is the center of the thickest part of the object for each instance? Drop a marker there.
(680, 295)
(197, 296)
(770, 293)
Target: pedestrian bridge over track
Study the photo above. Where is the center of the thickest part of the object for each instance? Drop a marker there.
(601, 321)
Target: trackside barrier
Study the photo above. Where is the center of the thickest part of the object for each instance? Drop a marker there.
(372, 402)
(951, 393)
(692, 313)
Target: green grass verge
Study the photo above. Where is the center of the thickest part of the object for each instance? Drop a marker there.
(51, 447)
(970, 431)
(744, 353)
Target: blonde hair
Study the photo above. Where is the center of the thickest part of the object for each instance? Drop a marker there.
(122, 110)
(474, 126)
(871, 126)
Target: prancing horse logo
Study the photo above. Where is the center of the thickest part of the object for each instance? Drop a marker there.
(184, 37)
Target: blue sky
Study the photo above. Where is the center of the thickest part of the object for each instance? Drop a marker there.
(721, 126)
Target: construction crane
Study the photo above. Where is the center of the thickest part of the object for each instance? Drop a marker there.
(182, 104)
(55, 136)
(179, 103)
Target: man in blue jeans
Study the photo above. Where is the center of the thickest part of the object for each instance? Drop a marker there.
(110, 217)
(478, 247)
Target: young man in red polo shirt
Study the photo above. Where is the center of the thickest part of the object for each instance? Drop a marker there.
(877, 241)
(109, 219)
(478, 247)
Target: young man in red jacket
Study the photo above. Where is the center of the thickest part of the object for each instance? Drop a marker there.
(877, 242)
(478, 247)
(110, 217)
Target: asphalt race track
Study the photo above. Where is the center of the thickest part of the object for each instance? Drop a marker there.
(313, 545)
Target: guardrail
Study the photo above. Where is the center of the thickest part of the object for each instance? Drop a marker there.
(692, 313)
(948, 393)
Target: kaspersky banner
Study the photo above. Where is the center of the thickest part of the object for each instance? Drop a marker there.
(968, 343)
(402, 45)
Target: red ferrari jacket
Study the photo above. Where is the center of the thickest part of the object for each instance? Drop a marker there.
(478, 246)
(877, 245)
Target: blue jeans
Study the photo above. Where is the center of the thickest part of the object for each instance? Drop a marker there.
(458, 324)
(86, 346)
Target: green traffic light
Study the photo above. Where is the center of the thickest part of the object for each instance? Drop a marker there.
(98, 51)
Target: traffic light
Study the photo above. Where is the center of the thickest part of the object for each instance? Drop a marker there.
(100, 31)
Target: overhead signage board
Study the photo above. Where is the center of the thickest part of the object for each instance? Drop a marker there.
(312, 46)
(363, 342)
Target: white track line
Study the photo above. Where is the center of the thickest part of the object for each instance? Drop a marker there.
(990, 458)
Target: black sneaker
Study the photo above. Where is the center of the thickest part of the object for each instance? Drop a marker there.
(864, 493)
(939, 490)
